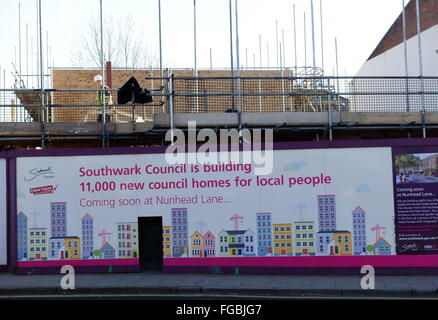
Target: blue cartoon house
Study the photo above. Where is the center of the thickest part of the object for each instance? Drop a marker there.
(107, 252)
(381, 247)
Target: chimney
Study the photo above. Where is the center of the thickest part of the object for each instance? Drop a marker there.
(109, 80)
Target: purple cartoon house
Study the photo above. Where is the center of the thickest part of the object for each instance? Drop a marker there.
(209, 244)
(359, 231)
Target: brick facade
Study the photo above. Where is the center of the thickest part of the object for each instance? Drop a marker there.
(83, 79)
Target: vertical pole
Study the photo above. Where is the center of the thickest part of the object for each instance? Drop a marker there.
(267, 53)
(291, 99)
(211, 60)
(2, 93)
(103, 75)
(276, 42)
(41, 75)
(260, 51)
(337, 72)
(284, 50)
(322, 39)
(337, 65)
(260, 92)
(406, 55)
(161, 52)
(305, 45)
(282, 81)
(195, 71)
(37, 41)
(295, 44)
(238, 68)
(19, 38)
(314, 57)
(31, 63)
(231, 55)
(47, 57)
(152, 86)
(246, 58)
(170, 90)
(420, 60)
(329, 101)
(27, 56)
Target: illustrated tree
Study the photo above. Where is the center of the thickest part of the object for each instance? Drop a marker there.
(370, 249)
(96, 253)
(123, 45)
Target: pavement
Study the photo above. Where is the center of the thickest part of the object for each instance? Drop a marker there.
(246, 286)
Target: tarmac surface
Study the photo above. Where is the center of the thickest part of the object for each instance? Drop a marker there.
(220, 286)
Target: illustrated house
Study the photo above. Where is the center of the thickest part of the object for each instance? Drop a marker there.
(381, 247)
(359, 231)
(324, 243)
(326, 213)
(241, 243)
(22, 234)
(283, 242)
(56, 248)
(264, 234)
(224, 243)
(107, 252)
(196, 243)
(72, 248)
(248, 239)
(209, 244)
(167, 243)
(236, 245)
(87, 236)
(58, 219)
(304, 238)
(37, 244)
(342, 243)
(180, 237)
(127, 239)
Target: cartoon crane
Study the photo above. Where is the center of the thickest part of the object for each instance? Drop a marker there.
(236, 219)
(377, 228)
(103, 234)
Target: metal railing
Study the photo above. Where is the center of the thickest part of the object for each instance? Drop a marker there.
(215, 95)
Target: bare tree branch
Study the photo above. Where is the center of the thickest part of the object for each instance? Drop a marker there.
(123, 46)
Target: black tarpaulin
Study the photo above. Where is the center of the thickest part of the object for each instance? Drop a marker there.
(125, 93)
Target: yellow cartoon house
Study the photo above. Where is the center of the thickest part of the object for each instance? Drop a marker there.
(196, 244)
(72, 248)
(167, 242)
(342, 243)
(283, 239)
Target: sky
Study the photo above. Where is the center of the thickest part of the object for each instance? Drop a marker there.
(357, 25)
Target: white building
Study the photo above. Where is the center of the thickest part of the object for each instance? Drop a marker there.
(388, 60)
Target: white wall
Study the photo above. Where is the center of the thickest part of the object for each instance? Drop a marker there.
(3, 239)
(392, 63)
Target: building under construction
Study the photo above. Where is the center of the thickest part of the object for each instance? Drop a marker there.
(299, 103)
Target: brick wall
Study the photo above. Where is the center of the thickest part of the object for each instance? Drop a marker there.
(83, 79)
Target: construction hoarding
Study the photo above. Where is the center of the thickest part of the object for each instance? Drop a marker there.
(318, 207)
